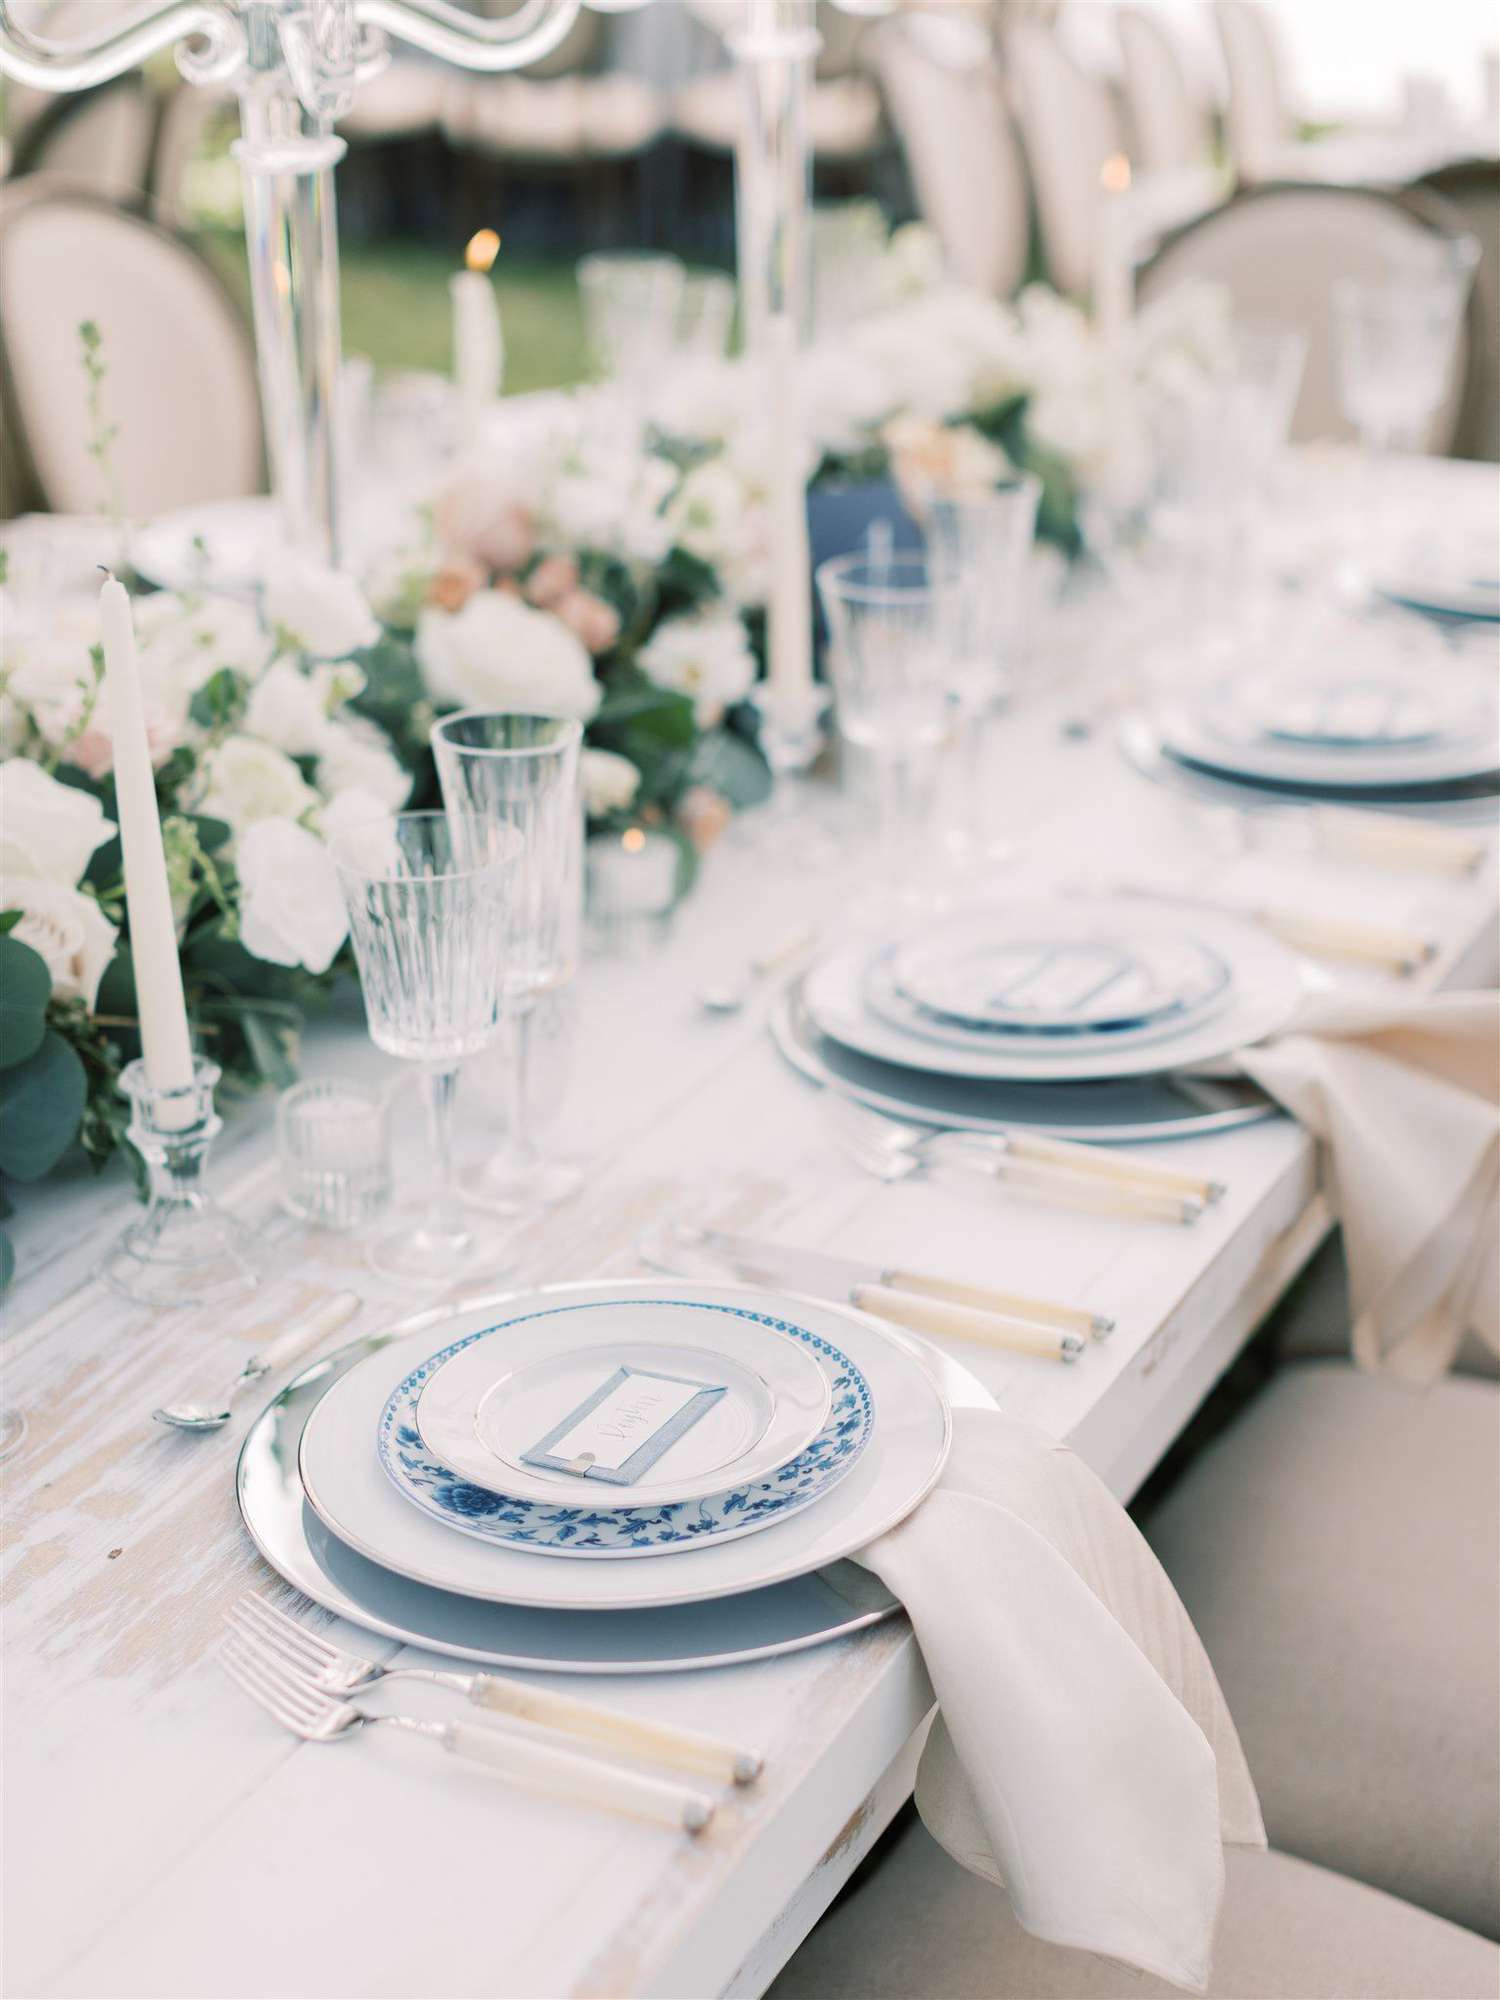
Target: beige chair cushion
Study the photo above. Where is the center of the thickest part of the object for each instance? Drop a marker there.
(1339, 1551)
(922, 1928)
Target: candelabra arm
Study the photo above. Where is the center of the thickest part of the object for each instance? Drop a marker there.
(461, 38)
(216, 46)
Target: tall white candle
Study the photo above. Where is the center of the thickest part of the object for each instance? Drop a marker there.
(789, 611)
(1113, 276)
(478, 338)
(165, 1042)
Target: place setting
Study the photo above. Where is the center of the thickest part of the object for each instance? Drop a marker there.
(1384, 739)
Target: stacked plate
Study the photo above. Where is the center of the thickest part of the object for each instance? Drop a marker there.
(1378, 739)
(556, 1481)
(1075, 1016)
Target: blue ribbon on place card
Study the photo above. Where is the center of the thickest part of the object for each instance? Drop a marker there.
(620, 1432)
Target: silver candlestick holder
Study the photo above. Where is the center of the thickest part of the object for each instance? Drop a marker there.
(185, 1250)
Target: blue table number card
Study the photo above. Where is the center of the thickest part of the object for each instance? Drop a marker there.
(619, 1432)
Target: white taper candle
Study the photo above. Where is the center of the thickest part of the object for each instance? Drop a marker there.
(789, 612)
(165, 1042)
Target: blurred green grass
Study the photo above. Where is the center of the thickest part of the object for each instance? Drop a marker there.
(395, 308)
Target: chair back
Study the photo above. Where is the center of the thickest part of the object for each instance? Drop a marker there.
(180, 384)
(1471, 188)
(1168, 124)
(1069, 128)
(100, 139)
(946, 100)
(1258, 119)
(1281, 250)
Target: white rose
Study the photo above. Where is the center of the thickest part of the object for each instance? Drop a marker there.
(292, 709)
(706, 656)
(610, 782)
(48, 830)
(355, 755)
(291, 907)
(321, 611)
(182, 642)
(50, 670)
(718, 514)
(66, 929)
(250, 781)
(353, 807)
(499, 653)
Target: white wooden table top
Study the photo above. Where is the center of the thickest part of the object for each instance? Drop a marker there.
(164, 1838)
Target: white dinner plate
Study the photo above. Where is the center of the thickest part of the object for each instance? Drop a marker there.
(1267, 985)
(492, 1400)
(349, 1491)
(729, 1631)
(1050, 970)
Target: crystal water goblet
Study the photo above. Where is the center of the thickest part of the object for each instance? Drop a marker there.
(632, 308)
(889, 665)
(979, 551)
(516, 778)
(432, 921)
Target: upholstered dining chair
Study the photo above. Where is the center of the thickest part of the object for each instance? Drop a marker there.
(180, 387)
(1471, 188)
(1069, 128)
(1280, 250)
(920, 1927)
(1169, 125)
(945, 98)
(1338, 1549)
(1257, 117)
(101, 139)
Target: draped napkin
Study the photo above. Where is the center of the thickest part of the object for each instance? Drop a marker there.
(1083, 1756)
(1403, 1093)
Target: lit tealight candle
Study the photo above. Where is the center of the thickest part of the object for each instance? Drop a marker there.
(165, 1042)
(632, 883)
(478, 341)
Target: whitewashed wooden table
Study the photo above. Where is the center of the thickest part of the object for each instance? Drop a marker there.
(164, 1838)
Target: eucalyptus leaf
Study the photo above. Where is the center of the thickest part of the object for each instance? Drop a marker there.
(733, 768)
(25, 989)
(41, 1108)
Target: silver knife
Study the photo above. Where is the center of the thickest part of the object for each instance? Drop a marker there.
(846, 1279)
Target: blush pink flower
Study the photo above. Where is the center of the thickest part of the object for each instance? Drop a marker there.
(593, 622)
(474, 517)
(553, 579)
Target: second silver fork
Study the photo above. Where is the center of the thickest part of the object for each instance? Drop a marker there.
(335, 1671)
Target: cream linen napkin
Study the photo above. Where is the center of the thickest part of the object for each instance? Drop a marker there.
(1403, 1093)
(1082, 1756)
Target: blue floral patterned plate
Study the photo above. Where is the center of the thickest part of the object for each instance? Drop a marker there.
(583, 1530)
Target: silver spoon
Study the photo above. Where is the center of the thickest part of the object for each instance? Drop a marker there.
(727, 996)
(298, 1338)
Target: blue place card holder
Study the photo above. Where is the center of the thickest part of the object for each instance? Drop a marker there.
(618, 1433)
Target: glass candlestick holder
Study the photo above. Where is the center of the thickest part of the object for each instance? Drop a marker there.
(792, 732)
(185, 1250)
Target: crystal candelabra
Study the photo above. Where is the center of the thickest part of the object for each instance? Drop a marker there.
(296, 65)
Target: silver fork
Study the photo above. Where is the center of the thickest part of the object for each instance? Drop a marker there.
(331, 1669)
(888, 1160)
(318, 1716)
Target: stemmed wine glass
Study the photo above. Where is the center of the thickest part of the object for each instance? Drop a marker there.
(432, 917)
(979, 551)
(514, 778)
(886, 655)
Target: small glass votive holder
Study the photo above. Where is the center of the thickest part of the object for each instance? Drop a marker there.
(333, 1141)
(632, 883)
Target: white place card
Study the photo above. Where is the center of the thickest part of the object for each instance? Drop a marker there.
(619, 1432)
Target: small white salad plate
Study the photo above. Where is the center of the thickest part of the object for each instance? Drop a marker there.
(1060, 976)
(1266, 985)
(350, 1491)
(1226, 730)
(482, 1410)
(573, 1525)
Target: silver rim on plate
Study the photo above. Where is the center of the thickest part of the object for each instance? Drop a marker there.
(730, 1631)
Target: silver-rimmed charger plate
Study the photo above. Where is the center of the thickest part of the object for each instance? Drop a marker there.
(1123, 1111)
(1463, 752)
(729, 1631)
(1456, 805)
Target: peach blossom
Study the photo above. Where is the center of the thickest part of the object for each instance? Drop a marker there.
(473, 517)
(451, 587)
(592, 621)
(704, 814)
(553, 579)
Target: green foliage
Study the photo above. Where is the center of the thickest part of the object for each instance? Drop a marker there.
(41, 1108)
(25, 988)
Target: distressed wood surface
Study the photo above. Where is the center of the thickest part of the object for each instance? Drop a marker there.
(163, 1838)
